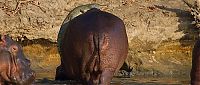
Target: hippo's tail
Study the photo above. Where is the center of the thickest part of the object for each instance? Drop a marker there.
(100, 43)
(96, 40)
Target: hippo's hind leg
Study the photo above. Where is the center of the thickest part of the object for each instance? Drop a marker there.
(1, 81)
(94, 78)
(106, 77)
(60, 74)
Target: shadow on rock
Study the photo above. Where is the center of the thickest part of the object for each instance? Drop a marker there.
(41, 41)
(185, 26)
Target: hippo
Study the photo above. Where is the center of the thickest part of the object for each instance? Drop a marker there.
(195, 71)
(94, 47)
(14, 67)
(72, 14)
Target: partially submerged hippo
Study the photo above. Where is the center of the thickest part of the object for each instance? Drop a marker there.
(94, 47)
(195, 71)
(14, 67)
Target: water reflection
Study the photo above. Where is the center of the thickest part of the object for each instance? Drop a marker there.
(125, 81)
(42, 56)
(150, 81)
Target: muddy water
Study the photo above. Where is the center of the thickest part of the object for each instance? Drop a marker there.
(45, 58)
(141, 80)
(126, 81)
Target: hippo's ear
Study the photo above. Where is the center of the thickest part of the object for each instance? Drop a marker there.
(14, 49)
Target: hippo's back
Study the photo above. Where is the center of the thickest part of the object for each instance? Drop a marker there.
(96, 22)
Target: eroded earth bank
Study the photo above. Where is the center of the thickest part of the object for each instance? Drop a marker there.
(160, 32)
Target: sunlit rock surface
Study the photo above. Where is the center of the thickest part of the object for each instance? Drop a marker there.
(160, 32)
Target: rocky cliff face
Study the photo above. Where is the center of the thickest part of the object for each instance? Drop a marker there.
(160, 32)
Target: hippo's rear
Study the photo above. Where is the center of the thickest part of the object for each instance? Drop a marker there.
(94, 47)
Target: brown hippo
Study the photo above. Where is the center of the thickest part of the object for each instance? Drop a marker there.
(72, 14)
(94, 47)
(14, 67)
(195, 71)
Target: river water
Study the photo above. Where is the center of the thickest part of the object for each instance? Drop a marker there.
(126, 81)
(45, 59)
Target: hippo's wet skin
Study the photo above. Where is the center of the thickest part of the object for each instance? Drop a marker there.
(195, 72)
(14, 67)
(72, 14)
(94, 47)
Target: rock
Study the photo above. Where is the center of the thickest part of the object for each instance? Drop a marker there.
(159, 28)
